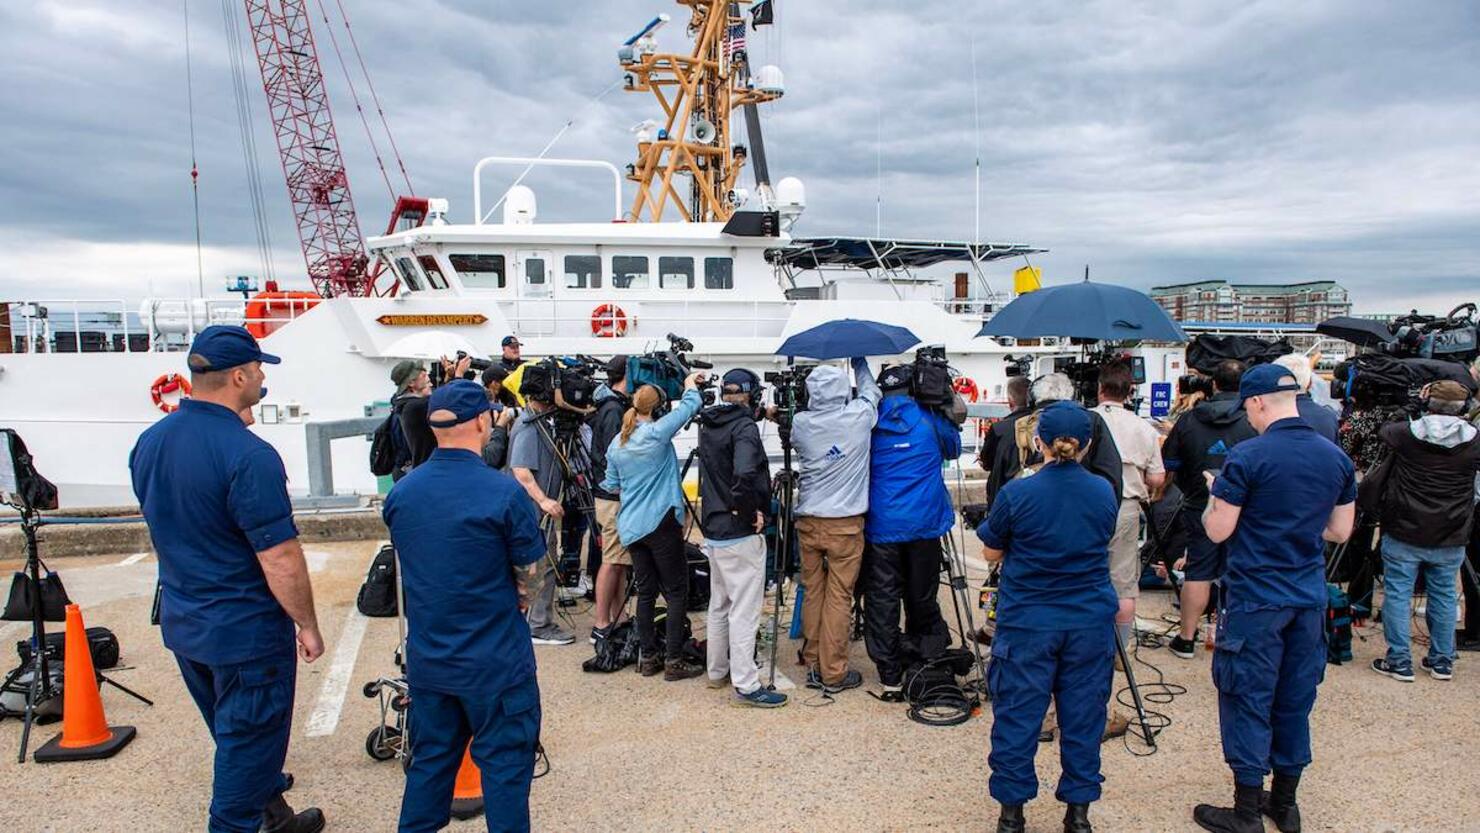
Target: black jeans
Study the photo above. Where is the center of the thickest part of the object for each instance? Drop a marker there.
(907, 572)
(658, 561)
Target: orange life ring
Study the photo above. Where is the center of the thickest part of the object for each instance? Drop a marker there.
(169, 383)
(608, 321)
(267, 312)
(965, 386)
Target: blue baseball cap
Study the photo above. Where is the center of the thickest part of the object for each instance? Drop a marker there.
(1065, 419)
(226, 347)
(465, 398)
(1266, 378)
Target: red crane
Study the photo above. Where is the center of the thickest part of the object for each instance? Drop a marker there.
(318, 186)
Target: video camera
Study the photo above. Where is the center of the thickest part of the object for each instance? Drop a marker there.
(1085, 374)
(438, 374)
(1018, 365)
(931, 383)
(790, 386)
(567, 382)
(1379, 380)
(1455, 337)
(666, 370)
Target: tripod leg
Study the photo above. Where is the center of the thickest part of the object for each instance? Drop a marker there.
(1130, 678)
(103, 678)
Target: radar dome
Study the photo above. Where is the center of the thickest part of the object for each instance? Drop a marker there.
(519, 206)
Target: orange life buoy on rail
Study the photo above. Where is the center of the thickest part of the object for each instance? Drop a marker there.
(608, 321)
(169, 383)
(267, 312)
(965, 386)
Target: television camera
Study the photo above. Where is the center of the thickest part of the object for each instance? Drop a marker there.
(567, 382)
(1454, 337)
(666, 370)
(1417, 350)
(1084, 372)
(438, 374)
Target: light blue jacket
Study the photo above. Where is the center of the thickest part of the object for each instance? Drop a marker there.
(644, 472)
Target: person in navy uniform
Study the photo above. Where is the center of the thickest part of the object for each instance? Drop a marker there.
(1277, 500)
(1055, 619)
(233, 578)
(463, 533)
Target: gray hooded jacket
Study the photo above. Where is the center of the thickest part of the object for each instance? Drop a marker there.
(832, 441)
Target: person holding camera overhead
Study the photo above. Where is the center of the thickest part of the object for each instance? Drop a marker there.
(908, 510)
(642, 470)
(1055, 619)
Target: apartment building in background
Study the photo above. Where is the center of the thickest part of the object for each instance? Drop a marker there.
(1222, 302)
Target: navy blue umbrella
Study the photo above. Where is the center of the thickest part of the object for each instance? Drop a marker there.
(848, 338)
(1085, 310)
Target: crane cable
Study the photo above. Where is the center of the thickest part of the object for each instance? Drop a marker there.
(370, 85)
(200, 272)
(244, 118)
(355, 96)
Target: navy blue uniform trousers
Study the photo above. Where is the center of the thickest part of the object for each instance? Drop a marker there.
(248, 707)
(1266, 667)
(1028, 666)
(504, 728)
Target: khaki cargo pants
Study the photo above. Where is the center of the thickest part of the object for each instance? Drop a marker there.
(832, 553)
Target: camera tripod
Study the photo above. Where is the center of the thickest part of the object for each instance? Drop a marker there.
(40, 689)
(565, 442)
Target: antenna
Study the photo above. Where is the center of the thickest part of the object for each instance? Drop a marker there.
(976, 106)
(878, 170)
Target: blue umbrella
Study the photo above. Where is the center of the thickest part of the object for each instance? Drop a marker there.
(848, 338)
(1086, 310)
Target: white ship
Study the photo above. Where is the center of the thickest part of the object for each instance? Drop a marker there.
(730, 277)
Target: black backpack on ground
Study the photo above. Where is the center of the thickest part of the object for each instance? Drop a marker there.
(377, 596)
(102, 644)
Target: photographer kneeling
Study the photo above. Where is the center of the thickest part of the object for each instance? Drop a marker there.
(734, 488)
(1055, 619)
(909, 509)
(642, 470)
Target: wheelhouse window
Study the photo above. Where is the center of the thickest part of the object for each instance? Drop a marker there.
(719, 273)
(408, 273)
(630, 272)
(434, 272)
(675, 273)
(480, 271)
(582, 272)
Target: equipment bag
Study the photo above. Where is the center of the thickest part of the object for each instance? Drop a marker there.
(377, 595)
(1338, 625)
(54, 599)
(383, 446)
(100, 641)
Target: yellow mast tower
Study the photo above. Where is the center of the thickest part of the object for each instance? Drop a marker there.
(697, 93)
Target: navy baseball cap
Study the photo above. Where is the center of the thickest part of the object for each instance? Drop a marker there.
(226, 347)
(1266, 378)
(466, 399)
(509, 341)
(741, 380)
(1065, 419)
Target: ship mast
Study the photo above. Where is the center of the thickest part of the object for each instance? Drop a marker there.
(697, 93)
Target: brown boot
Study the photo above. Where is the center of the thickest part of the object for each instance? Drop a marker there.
(1116, 725)
(679, 669)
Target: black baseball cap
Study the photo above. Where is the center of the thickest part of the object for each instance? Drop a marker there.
(616, 368)
(510, 341)
(741, 380)
(225, 347)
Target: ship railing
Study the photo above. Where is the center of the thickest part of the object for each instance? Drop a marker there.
(112, 325)
(670, 316)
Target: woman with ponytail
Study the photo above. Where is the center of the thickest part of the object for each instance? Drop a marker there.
(642, 469)
(1055, 619)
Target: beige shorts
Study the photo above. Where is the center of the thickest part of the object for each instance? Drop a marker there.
(612, 551)
(1125, 551)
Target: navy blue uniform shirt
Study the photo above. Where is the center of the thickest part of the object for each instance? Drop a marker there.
(1287, 481)
(214, 495)
(1054, 528)
(460, 528)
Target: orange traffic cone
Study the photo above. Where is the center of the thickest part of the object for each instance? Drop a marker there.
(85, 733)
(467, 793)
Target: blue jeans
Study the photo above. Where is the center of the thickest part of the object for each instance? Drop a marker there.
(1401, 564)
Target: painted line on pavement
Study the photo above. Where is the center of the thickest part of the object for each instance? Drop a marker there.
(133, 559)
(325, 717)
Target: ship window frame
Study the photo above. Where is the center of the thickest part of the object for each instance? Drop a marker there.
(502, 272)
(410, 275)
(647, 272)
(582, 280)
(662, 284)
(729, 276)
(440, 281)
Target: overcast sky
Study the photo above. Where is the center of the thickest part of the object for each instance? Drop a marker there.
(1156, 142)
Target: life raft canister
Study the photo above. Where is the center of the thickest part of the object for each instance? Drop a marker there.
(267, 312)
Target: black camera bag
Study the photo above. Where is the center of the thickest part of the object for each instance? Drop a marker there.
(377, 597)
(54, 599)
(101, 643)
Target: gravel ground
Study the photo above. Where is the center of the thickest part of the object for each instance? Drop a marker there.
(637, 754)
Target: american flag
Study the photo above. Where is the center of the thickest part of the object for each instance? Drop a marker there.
(735, 40)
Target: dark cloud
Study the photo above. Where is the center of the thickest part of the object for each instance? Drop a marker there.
(1155, 141)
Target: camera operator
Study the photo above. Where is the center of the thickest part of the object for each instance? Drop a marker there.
(1317, 416)
(1142, 476)
(734, 489)
(1198, 443)
(1055, 621)
(233, 578)
(464, 532)
(642, 470)
(412, 382)
(1279, 497)
(1001, 430)
(832, 439)
(1014, 457)
(1425, 498)
(612, 402)
(908, 510)
(533, 462)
